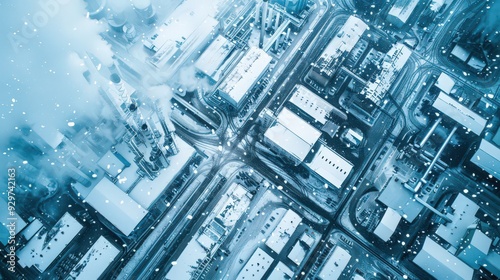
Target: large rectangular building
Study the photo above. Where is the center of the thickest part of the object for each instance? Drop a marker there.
(44, 248)
(337, 50)
(311, 104)
(236, 85)
(97, 259)
(441, 264)
(393, 62)
(147, 192)
(459, 113)
(116, 206)
(335, 264)
(255, 268)
(487, 157)
(283, 231)
(291, 136)
(330, 166)
(214, 57)
(401, 11)
(186, 29)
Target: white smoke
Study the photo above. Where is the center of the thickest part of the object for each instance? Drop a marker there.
(41, 75)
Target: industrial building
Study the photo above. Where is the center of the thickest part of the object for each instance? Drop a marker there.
(388, 224)
(283, 231)
(95, 261)
(462, 214)
(459, 113)
(236, 86)
(43, 248)
(487, 157)
(256, 266)
(444, 83)
(212, 233)
(280, 272)
(116, 206)
(311, 104)
(291, 136)
(214, 57)
(464, 55)
(474, 248)
(440, 263)
(330, 166)
(393, 62)
(147, 191)
(337, 50)
(188, 28)
(401, 11)
(335, 265)
(396, 196)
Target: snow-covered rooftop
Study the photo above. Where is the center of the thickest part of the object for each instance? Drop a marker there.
(401, 11)
(244, 75)
(116, 206)
(463, 216)
(335, 264)
(281, 272)
(388, 224)
(445, 83)
(146, 192)
(310, 103)
(458, 112)
(44, 248)
(111, 164)
(488, 158)
(330, 166)
(297, 254)
(440, 263)
(214, 56)
(292, 134)
(95, 261)
(283, 231)
(256, 266)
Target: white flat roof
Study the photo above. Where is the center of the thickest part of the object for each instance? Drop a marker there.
(463, 216)
(180, 28)
(440, 263)
(335, 264)
(293, 134)
(283, 231)
(214, 56)
(476, 63)
(95, 261)
(330, 166)
(116, 206)
(460, 53)
(488, 158)
(146, 192)
(256, 266)
(281, 272)
(244, 75)
(445, 83)
(388, 224)
(311, 103)
(402, 9)
(43, 249)
(186, 261)
(393, 62)
(458, 112)
(32, 228)
(297, 254)
(344, 41)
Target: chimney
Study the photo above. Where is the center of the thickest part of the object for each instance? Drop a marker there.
(263, 23)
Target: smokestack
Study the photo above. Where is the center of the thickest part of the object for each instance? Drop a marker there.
(258, 6)
(276, 26)
(263, 23)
